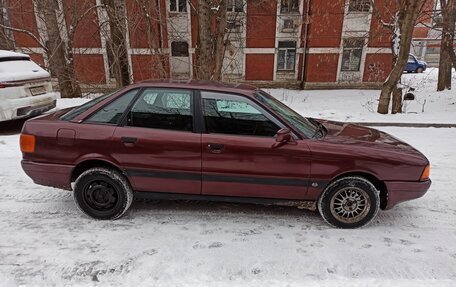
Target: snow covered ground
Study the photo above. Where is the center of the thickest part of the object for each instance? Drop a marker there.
(361, 105)
(45, 240)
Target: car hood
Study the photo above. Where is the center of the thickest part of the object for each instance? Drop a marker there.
(422, 63)
(352, 134)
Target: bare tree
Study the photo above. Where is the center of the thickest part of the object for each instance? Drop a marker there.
(60, 53)
(447, 57)
(402, 26)
(210, 50)
(6, 41)
(118, 40)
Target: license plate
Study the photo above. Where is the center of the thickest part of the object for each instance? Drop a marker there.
(37, 90)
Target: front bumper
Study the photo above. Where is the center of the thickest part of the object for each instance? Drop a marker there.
(11, 109)
(399, 191)
(54, 175)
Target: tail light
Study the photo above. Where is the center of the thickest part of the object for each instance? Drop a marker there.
(10, 84)
(27, 143)
(426, 173)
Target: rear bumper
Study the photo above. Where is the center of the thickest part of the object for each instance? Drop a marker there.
(399, 191)
(11, 109)
(54, 175)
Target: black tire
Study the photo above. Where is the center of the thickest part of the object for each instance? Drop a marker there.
(419, 70)
(349, 202)
(102, 193)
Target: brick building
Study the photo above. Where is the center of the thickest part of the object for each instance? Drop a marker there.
(271, 42)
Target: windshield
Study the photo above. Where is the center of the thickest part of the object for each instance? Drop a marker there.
(80, 109)
(301, 123)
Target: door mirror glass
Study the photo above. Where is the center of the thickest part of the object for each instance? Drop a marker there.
(283, 137)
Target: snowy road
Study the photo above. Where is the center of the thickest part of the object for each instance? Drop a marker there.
(44, 239)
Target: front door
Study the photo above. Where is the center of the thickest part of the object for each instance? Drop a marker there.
(237, 154)
(157, 146)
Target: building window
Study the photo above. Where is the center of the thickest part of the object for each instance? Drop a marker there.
(359, 6)
(289, 6)
(290, 25)
(179, 49)
(235, 6)
(351, 57)
(178, 5)
(286, 56)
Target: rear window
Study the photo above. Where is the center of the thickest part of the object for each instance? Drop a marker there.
(80, 109)
(10, 59)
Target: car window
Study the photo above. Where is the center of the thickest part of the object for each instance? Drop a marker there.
(112, 112)
(236, 115)
(411, 59)
(163, 109)
(307, 127)
(80, 109)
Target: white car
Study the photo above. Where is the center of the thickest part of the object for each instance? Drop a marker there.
(25, 87)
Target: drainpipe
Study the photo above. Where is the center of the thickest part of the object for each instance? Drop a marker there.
(306, 31)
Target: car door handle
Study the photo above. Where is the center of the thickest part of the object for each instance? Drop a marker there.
(215, 147)
(129, 140)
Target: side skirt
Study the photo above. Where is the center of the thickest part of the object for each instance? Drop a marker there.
(301, 204)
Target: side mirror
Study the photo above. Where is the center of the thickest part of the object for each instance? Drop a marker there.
(283, 136)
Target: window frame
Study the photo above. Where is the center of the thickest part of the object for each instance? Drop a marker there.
(232, 8)
(354, 4)
(87, 118)
(286, 50)
(289, 10)
(177, 6)
(124, 120)
(221, 95)
(351, 49)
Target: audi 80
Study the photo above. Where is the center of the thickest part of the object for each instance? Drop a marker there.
(221, 142)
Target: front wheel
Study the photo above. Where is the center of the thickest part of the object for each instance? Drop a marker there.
(349, 202)
(102, 193)
(419, 70)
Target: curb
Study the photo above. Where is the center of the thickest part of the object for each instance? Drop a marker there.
(405, 125)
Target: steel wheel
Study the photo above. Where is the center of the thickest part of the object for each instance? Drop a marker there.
(102, 193)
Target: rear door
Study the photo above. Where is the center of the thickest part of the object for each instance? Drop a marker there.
(237, 154)
(157, 145)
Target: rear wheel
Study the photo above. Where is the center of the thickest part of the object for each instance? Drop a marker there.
(102, 193)
(349, 202)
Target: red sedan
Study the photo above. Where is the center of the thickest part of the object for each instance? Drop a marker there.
(222, 142)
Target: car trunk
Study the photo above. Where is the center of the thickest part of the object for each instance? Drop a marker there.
(22, 72)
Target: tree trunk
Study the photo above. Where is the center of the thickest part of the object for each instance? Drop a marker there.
(117, 22)
(446, 44)
(6, 43)
(408, 12)
(397, 101)
(61, 64)
(210, 50)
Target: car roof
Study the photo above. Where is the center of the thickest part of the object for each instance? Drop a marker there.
(10, 54)
(201, 85)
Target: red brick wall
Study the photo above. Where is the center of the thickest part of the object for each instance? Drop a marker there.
(86, 33)
(380, 36)
(259, 67)
(261, 24)
(377, 67)
(321, 67)
(89, 68)
(326, 23)
(22, 16)
(145, 67)
(138, 25)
